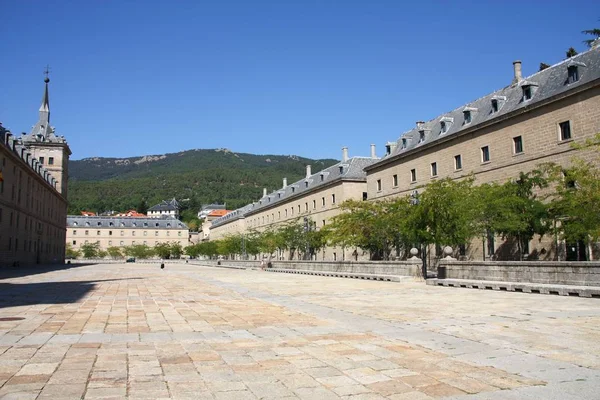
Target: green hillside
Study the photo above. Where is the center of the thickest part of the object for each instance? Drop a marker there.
(193, 177)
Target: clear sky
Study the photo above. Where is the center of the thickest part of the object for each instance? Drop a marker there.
(300, 77)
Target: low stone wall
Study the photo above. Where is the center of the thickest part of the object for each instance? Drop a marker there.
(398, 268)
(546, 272)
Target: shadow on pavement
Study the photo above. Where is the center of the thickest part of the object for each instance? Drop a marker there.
(23, 294)
(17, 272)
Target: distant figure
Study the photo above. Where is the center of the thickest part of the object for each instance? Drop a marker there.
(162, 264)
(262, 264)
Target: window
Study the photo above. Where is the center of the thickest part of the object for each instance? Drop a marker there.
(278, 214)
(298, 208)
(485, 154)
(122, 243)
(457, 162)
(468, 118)
(111, 224)
(527, 93)
(322, 177)
(97, 233)
(74, 232)
(365, 196)
(74, 242)
(422, 136)
(341, 169)
(323, 223)
(293, 189)
(122, 233)
(573, 74)
(403, 145)
(145, 224)
(518, 144)
(41, 160)
(444, 127)
(109, 233)
(87, 233)
(50, 160)
(379, 185)
(155, 233)
(145, 233)
(413, 175)
(305, 185)
(565, 130)
(286, 212)
(434, 169)
(306, 206)
(322, 201)
(314, 204)
(395, 180)
(333, 199)
(110, 242)
(494, 106)
(133, 233)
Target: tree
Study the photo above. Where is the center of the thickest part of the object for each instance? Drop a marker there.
(593, 32)
(543, 66)
(162, 250)
(192, 250)
(176, 250)
(70, 252)
(142, 207)
(138, 251)
(571, 52)
(115, 252)
(90, 250)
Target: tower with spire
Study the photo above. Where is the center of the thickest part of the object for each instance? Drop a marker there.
(48, 148)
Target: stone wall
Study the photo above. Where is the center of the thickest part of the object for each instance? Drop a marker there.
(547, 272)
(398, 268)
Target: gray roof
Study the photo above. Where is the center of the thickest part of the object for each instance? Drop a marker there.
(545, 84)
(349, 170)
(171, 205)
(124, 222)
(42, 131)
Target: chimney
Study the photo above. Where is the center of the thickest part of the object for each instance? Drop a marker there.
(264, 192)
(308, 174)
(420, 125)
(284, 183)
(344, 154)
(517, 68)
(373, 153)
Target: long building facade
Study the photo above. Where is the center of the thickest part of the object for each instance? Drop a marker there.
(124, 231)
(316, 197)
(33, 194)
(533, 120)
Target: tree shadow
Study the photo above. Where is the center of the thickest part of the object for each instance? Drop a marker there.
(24, 294)
(18, 272)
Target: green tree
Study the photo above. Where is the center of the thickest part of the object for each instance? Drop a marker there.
(192, 250)
(115, 252)
(142, 207)
(162, 250)
(70, 252)
(90, 250)
(208, 249)
(140, 251)
(176, 250)
(595, 33)
(571, 52)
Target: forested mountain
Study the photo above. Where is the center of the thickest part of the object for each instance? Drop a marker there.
(193, 177)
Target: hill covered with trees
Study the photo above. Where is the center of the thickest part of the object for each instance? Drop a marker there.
(193, 177)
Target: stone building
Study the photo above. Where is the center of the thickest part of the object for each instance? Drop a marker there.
(124, 231)
(532, 120)
(316, 197)
(164, 209)
(33, 193)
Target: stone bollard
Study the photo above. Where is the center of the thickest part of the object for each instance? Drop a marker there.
(448, 252)
(413, 252)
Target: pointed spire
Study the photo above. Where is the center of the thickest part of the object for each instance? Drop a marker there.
(45, 107)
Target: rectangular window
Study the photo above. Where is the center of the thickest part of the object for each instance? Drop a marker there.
(314, 204)
(97, 233)
(74, 242)
(485, 154)
(87, 233)
(413, 175)
(494, 106)
(443, 127)
(433, 169)
(41, 160)
(421, 136)
(306, 206)
(145, 233)
(323, 201)
(518, 144)
(379, 185)
(50, 160)
(573, 74)
(155, 233)
(457, 162)
(526, 93)
(333, 199)
(133, 233)
(395, 180)
(565, 130)
(365, 196)
(467, 117)
(323, 223)
(74, 232)
(122, 243)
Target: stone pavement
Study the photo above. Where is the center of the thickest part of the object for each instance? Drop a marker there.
(134, 331)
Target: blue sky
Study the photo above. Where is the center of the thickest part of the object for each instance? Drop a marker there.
(131, 78)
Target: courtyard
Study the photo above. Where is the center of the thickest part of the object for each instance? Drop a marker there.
(114, 331)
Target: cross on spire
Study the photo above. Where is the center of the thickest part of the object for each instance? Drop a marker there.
(47, 72)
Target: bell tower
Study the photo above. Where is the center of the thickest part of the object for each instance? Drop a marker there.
(49, 149)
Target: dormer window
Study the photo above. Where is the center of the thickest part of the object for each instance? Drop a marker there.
(527, 94)
(445, 124)
(573, 72)
(293, 189)
(403, 145)
(497, 102)
(388, 149)
(422, 136)
(494, 106)
(322, 177)
(306, 184)
(444, 127)
(341, 169)
(467, 115)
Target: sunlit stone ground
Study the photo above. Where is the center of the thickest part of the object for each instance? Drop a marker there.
(135, 331)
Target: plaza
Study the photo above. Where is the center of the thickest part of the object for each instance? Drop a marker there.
(114, 331)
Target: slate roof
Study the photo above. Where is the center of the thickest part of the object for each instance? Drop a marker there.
(349, 170)
(42, 131)
(79, 221)
(164, 205)
(545, 84)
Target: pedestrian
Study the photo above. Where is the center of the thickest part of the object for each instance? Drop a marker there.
(262, 264)
(162, 264)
